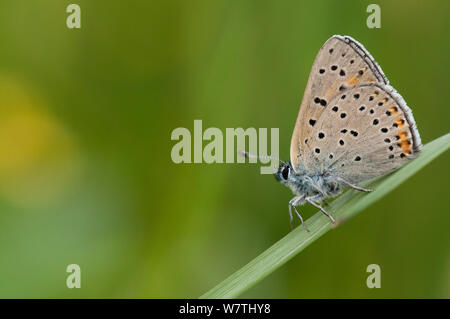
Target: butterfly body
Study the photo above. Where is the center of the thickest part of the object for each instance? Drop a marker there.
(320, 186)
(352, 127)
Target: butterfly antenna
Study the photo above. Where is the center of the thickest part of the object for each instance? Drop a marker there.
(250, 155)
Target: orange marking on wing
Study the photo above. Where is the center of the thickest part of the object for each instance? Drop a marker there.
(353, 80)
(330, 92)
(393, 109)
(403, 135)
(400, 122)
(404, 145)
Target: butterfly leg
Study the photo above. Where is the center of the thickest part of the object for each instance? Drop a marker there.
(355, 187)
(291, 219)
(301, 219)
(292, 203)
(311, 201)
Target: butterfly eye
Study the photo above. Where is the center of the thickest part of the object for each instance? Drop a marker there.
(285, 172)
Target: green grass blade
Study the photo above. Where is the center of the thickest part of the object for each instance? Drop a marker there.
(345, 206)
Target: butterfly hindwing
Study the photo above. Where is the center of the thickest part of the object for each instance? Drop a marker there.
(364, 132)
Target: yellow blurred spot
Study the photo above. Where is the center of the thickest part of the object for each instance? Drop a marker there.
(38, 157)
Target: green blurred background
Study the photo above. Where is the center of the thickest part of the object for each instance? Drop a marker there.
(86, 175)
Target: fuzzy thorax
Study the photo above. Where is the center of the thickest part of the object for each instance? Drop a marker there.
(320, 185)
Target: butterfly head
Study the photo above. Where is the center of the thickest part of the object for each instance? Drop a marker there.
(284, 173)
(300, 184)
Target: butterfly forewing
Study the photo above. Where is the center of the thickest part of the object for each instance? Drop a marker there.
(341, 64)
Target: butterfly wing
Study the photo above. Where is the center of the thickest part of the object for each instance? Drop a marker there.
(364, 132)
(341, 64)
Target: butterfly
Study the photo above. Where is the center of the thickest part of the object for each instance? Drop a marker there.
(352, 127)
